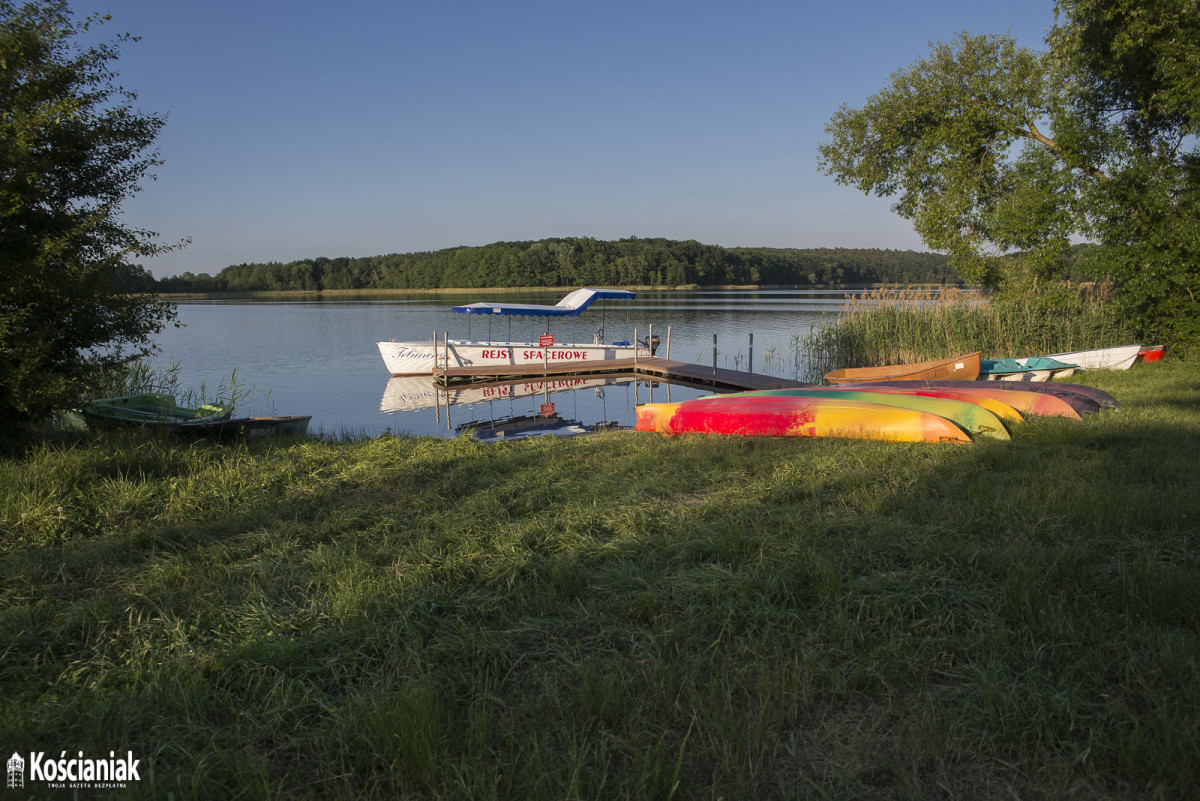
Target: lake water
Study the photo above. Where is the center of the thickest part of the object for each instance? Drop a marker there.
(319, 357)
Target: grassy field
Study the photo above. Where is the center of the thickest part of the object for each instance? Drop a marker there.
(618, 616)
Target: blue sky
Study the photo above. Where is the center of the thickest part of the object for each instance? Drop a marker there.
(303, 129)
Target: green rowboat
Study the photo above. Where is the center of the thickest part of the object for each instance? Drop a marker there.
(151, 409)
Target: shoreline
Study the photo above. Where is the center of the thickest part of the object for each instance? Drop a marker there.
(319, 293)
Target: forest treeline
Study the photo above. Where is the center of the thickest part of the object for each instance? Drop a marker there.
(572, 262)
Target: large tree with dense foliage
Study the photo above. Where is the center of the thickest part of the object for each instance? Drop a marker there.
(72, 149)
(994, 150)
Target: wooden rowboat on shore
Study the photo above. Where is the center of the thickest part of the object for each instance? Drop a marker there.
(964, 367)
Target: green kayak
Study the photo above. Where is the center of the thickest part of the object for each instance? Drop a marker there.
(151, 409)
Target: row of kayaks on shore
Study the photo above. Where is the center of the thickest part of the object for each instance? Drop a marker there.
(160, 411)
(971, 366)
(960, 399)
(898, 411)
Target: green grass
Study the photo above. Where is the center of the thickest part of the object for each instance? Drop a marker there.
(618, 616)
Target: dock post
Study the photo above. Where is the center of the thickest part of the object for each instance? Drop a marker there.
(668, 344)
(714, 354)
(650, 342)
(446, 369)
(750, 361)
(635, 347)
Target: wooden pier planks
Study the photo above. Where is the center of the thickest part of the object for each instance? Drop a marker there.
(651, 366)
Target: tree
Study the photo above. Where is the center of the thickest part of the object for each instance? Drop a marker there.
(1002, 156)
(72, 149)
(1141, 98)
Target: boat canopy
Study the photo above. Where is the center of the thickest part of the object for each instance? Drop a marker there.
(572, 305)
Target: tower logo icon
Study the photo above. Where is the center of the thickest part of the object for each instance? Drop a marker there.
(16, 772)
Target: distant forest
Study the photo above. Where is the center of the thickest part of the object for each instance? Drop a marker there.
(573, 262)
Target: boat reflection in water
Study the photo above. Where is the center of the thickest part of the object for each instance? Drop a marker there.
(518, 409)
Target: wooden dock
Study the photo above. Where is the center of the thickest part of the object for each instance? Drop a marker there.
(650, 366)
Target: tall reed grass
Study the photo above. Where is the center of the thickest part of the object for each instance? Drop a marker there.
(902, 325)
(141, 377)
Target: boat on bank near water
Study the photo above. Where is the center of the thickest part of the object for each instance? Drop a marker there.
(969, 416)
(420, 358)
(957, 367)
(1119, 358)
(1033, 368)
(290, 425)
(1152, 353)
(782, 416)
(151, 409)
(1098, 397)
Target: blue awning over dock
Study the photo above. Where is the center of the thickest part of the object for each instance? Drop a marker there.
(572, 305)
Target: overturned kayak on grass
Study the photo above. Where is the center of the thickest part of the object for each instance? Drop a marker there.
(971, 417)
(783, 416)
(1026, 403)
(1065, 391)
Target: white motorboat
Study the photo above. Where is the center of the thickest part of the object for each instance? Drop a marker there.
(420, 358)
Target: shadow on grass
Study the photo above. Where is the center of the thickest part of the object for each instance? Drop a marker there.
(623, 616)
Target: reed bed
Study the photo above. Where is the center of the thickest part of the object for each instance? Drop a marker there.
(902, 325)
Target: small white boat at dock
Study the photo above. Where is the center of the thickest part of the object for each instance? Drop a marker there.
(420, 358)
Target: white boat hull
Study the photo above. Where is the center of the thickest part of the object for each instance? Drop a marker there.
(1028, 375)
(418, 358)
(1031, 375)
(1121, 358)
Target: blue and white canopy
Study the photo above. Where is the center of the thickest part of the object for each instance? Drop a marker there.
(572, 305)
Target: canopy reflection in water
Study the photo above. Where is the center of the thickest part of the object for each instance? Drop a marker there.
(595, 403)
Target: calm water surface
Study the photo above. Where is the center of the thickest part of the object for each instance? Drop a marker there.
(319, 357)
